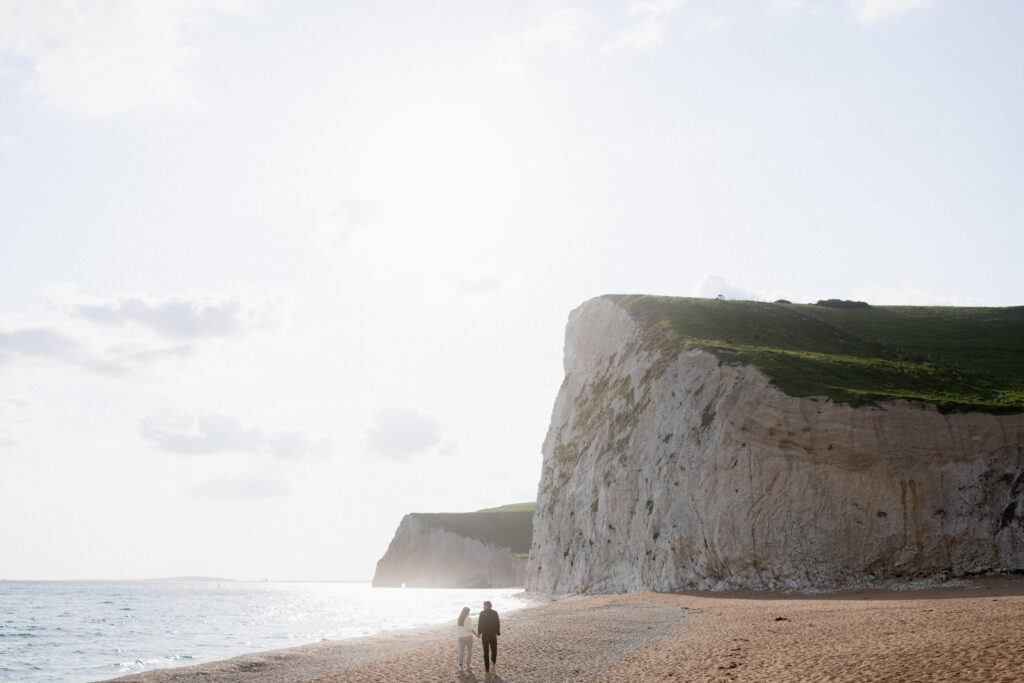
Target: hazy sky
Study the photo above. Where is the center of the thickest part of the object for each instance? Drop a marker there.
(274, 274)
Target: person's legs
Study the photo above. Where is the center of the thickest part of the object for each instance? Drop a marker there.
(465, 644)
(490, 642)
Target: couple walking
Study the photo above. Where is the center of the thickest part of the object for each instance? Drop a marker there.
(488, 629)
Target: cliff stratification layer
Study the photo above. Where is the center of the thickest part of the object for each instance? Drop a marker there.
(681, 471)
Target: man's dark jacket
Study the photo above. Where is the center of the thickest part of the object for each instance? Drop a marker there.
(488, 623)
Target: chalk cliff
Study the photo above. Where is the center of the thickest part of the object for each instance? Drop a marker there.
(681, 471)
(483, 549)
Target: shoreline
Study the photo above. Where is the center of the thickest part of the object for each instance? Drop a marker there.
(964, 630)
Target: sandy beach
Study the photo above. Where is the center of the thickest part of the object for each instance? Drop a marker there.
(971, 630)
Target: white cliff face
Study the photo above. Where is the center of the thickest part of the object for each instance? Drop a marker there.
(687, 473)
(422, 556)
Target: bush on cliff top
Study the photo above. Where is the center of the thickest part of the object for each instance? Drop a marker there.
(960, 359)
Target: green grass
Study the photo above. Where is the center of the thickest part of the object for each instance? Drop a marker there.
(509, 526)
(960, 359)
(514, 507)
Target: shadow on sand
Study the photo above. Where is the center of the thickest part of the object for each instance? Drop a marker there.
(953, 589)
(484, 677)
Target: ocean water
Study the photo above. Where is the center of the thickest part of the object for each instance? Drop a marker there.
(78, 631)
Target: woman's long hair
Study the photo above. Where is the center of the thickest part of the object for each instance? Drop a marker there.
(462, 617)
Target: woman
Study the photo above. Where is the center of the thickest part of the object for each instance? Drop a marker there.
(466, 633)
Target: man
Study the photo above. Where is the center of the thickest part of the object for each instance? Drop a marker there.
(489, 627)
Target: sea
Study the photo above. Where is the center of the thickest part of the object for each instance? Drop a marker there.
(76, 631)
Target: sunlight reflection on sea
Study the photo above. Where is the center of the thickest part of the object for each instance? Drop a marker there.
(88, 630)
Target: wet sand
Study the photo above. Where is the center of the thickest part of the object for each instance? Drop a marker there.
(968, 631)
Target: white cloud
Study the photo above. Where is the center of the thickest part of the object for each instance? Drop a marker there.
(336, 223)
(194, 316)
(17, 414)
(562, 27)
(46, 343)
(649, 20)
(712, 22)
(240, 486)
(865, 12)
(294, 444)
(198, 434)
(401, 432)
(869, 12)
(194, 434)
(96, 59)
(37, 341)
(787, 6)
(483, 285)
(795, 6)
(712, 286)
(120, 334)
(82, 347)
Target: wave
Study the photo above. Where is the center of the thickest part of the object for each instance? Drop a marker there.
(152, 662)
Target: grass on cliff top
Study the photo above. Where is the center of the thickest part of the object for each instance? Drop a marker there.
(509, 526)
(960, 359)
(512, 508)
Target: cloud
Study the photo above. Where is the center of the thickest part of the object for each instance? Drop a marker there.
(486, 284)
(401, 432)
(46, 343)
(865, 12)
(198, 434)
(193, 434)
(336, 223)
(643, 29)
(795, 6)
(117, 335)
(247, 486)
(38, 341)
(648, 22)
(869, 12)
(80, 348)
(96, 59)
(155, 355)
(197, 316)
(562, 27)
(294, 444)
(17, 413)
(712, 286)
(711, 22)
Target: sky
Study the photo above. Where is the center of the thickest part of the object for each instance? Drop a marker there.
(274, 274)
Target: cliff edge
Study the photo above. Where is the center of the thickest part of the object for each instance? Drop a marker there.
(483, 549)
(674, 460)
